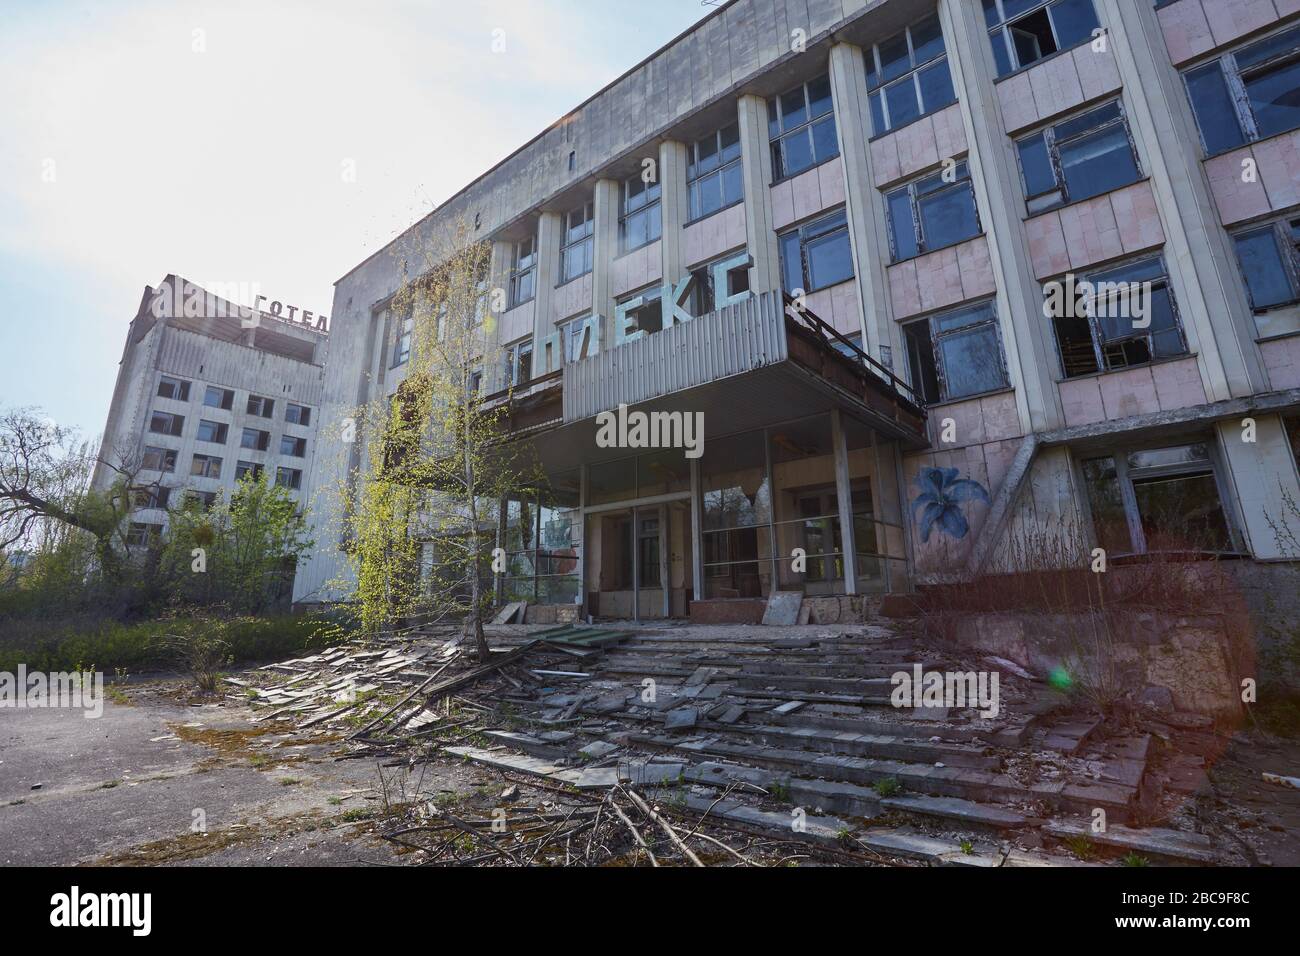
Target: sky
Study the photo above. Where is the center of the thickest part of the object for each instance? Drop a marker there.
(269, 144)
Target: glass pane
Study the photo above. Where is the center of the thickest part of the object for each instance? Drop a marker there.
(927, 39)
(894, 59)
(1182, 513)
(1098, 163)
(901, 225)
(1263, 268)
(936, 87)
(1215, 113)
(826, 144)
(730, 137)
(735, 487)
(662, 472)
(793, 110)
(951, 321)
(878, 124)
(819, 96)
(612, 481)
(1001, 55)
(1074, 20)
(903, 105)
(972, 361)
(1088, 121)
(1266, 49)
(1107, 505)
(948, 218)
(791, 263)
(830, 260)
(797, 149)
(1161, 457)
(1036, 164)
(733, 186)
(1275, 99)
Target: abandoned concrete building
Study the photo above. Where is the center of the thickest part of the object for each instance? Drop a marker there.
(835, 229)
(208, 391)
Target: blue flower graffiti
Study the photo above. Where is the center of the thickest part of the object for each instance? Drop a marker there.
(939, 502)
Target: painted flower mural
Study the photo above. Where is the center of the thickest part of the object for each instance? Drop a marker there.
(939, 502)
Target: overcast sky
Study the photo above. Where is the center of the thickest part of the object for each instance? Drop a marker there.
(209, 140)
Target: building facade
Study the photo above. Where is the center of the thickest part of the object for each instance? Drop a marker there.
(955, 286)
(208, 391)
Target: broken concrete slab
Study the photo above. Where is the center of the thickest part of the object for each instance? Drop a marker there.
(782, 608)
(954, 808)
(1156, 841)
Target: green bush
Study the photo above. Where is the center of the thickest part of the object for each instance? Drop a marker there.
(143, 646)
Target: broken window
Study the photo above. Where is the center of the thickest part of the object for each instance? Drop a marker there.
(1117, 318)
(173, 388)
(523, 271)
(639, 220)
(205, 466)
(1270, 264)
(165, 423)
(214, 432)
(255, 438)
(402, 341)
(817, 255)
(290, 478)
(1026, 31)
(1249, 94)
(1080, 158)
(154, 496)
(261, 407)
(932, 213)
(577, 250)
(159, 459)
(248, 469)
(801, 127)
(293, 447)
(704, 297)
(142, 533)
(519, 363)
(1157, 500)
(648, 317)
(956, 354)
(908, 77)
(713, 173)
(540, 535)
(215, 397)
(297, 414)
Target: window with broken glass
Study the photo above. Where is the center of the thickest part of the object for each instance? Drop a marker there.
(1269, 256)
(801, 127)
(1026, 31)
(648, 317)
(1158, 500)
(1249, 94)
(523, 272)
(956, 354)
(1082, 157)
(703, 297)
(519, 363)
(1104, 331)
(817, 255)
(908, 77)
(932, 213)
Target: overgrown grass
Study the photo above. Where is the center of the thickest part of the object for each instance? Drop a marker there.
(142, 646)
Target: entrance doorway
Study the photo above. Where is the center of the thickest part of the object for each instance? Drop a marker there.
(641, 561)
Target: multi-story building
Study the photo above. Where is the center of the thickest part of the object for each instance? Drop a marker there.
(208, 391)
(923, 179)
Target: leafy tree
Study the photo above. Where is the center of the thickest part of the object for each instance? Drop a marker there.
(423, 519)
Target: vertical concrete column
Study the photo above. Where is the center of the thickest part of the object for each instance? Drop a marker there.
(1263, 475)
(697, 531)
(674, 207)
(603, 255)
(1026, 333)
(1212, 302)
(840, 449)
(493, 340)
(756, 165)
(881, 336)
(549, 238)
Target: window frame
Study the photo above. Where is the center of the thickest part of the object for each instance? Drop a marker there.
(1053, 147)
(303, 418)
(808, 233)
(207, 461)
(696, 179)
(1286, 239)
(220, 429)
(587, 239)
(297, 443)
(777, 134)
(257, 469)
(295, 484)
(877, 93)
(1002, 30)
(265, 406)
(179, 388)
(1099, 343)
(519, 271)
(650, 207)
(915, 197)
(263, 442)
(936, 336)
(177, 423)
(1124, 476)
(165, 457)
(513, 355)
(1238, 94)
(227, 397)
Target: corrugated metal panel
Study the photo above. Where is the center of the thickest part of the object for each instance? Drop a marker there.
(239, 367)
(733, 340)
